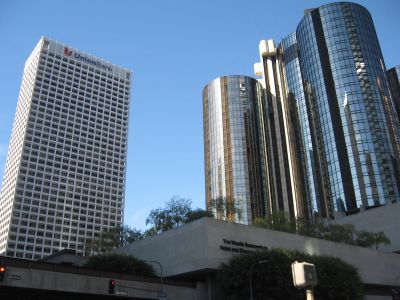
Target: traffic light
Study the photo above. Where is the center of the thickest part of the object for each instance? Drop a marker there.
(2, 272)
(111, 286)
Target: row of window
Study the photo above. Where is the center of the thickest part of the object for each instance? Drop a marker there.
(102, 75)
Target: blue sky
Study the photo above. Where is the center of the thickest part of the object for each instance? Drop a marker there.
(174, 48)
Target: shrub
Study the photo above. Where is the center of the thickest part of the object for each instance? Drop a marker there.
(337, 280)
(119, 263)
(339, 233)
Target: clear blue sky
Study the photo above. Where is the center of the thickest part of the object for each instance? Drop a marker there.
(174, 48)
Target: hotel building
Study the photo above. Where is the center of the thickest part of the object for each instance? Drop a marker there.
(234, 148)
(330, 132)
(393, 75)
(350, 109)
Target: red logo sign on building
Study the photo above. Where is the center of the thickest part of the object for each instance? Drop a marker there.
(67, 52)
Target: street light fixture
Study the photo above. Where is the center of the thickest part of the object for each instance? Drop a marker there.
(251, 273)
(161, 273)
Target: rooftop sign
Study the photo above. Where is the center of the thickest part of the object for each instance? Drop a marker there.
(68, 52)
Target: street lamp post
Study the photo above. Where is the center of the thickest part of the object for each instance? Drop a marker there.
(161, 273)
(251, 273)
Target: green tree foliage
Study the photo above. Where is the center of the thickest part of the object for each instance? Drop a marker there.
(120, 263)
(177, 211)
(226, 208)
(170, 216)
(337, 280)
(111, 239)
(341, 233)
(197, 214)
(369, 239)
(313, 229)
(278, 221)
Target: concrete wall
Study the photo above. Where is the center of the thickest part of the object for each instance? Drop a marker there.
(66, 259)
(197, 246)
(385, 218)
(77, 283)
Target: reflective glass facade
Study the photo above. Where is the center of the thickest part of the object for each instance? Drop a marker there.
(327, 124)
(284, 169)
(393, 76)
(307, 151)
(350, 107)
(234, 143)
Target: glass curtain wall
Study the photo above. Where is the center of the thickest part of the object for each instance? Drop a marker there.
(315, 195)
(393, 76)
(286, 179)
(235, 163)
(351, 110)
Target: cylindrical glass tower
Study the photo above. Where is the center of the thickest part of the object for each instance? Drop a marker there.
(350, 106)
(307, 149)
(393, 76)
(235, 147)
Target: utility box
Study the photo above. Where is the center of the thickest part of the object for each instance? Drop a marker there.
(304, 275)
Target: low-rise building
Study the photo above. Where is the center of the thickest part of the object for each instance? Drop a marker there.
(196, 250)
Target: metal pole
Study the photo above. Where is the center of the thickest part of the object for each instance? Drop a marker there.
(309, 294)
(251, 283)
(251, 273)
(161, 273)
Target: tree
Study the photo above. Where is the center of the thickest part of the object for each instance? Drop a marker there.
(273, 278)
(177, 211)
(149, 232)
(226, 208)
(380, 238)
(170, 216)
(370, 239)
(278, 221)
(340, 233)
(112, 238)
(160, 220)
(312, 229)
(119, 263)
(197, 214)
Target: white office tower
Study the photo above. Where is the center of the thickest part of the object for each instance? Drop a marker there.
(64, 178)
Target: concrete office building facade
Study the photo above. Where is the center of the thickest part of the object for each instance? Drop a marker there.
(64, 178)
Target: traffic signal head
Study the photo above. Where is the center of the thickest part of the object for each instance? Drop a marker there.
(111, 286)
(2, 272)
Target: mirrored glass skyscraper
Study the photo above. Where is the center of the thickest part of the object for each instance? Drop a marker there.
(314, 196)
(286, 180)
(234, 141)
(393, 75)
(330, 131)
(356, 133)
